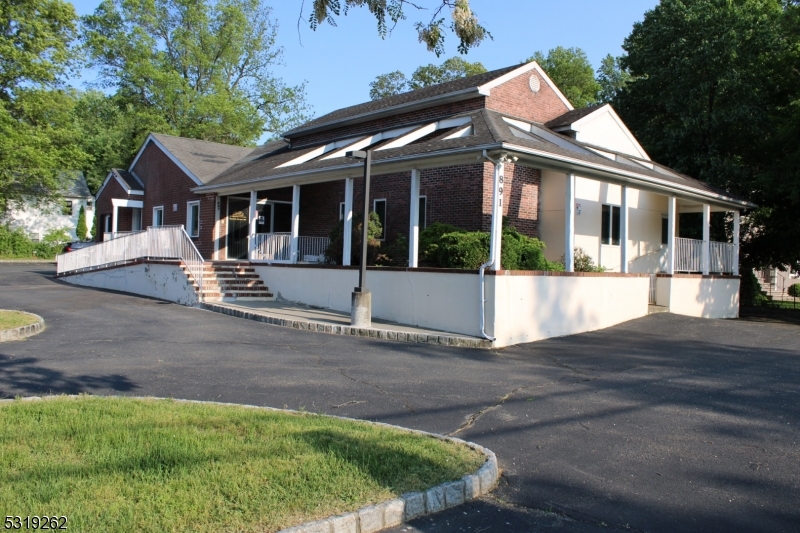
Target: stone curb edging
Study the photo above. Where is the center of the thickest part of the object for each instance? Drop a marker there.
(373, 518)
(320, 327)
(22, 332)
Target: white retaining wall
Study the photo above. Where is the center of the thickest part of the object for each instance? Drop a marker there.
(167, 282)
(706, 297)
(529, 308)
(437, 300)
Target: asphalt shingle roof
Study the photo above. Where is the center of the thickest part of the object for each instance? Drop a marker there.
(572, 116)
(75, 185)
(389, 102)
(204, 159)
(132, 182)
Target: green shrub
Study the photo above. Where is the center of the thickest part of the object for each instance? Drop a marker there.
(445, 246)
(80, 228)
(583, 262)
(333, 254)
(15, 243)
(750, 292)
(794, 290)
(93, 231)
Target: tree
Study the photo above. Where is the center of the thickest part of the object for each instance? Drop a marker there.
(424, 76)
(612, 78)
(199, 69)
(715, 94)
(80, 228)
(389, 12)
(93, 231)
(570, 70)
(37, 137)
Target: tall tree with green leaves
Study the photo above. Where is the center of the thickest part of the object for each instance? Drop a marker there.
(388, 13)
(570, 70)
(37, 136)
(200, 69)
(715, 94)
(424, 76)
(612, 78)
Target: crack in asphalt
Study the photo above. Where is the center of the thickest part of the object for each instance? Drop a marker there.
(503, 399)
(376, 387)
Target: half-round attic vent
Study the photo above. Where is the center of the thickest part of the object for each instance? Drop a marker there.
(534, 83)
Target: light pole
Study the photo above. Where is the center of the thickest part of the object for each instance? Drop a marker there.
(361, 301)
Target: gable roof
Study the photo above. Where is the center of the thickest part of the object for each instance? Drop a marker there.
(127, 180)
(448, 92)
(200, 160)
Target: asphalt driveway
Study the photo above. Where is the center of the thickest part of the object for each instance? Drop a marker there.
(661, 424)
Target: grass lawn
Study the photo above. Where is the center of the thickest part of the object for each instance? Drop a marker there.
(15, 319)
(116, 464)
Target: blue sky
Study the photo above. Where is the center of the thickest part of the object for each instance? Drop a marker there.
(338, 63)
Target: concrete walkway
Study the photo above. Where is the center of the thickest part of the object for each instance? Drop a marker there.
(299, 316)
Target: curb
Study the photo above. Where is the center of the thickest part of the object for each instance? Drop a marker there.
(391, 513)
(22, 332)
(320, 327)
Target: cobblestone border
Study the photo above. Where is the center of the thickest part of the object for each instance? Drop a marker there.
(22, 332)
(445, 339)
(390, 513)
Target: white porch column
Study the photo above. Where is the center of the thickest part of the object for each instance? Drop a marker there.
(114, 220)
(623, 232)
(736, 243)
(347, 247)
(251, 234)
(706, 252)
(569, 225)
(671, 212)
(215, 234)
(497, 215)
(413, 228)
(295, 222)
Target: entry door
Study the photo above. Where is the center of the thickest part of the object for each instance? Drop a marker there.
(238, 228)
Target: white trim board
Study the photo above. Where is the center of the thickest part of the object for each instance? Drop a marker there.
(119, 202)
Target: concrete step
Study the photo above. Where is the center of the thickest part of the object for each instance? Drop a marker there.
(653, 309)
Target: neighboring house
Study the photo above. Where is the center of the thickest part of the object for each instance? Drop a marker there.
(504, 144)
(38, 220)
(775, 282)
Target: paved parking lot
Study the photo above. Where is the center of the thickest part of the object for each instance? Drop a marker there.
(661, 424)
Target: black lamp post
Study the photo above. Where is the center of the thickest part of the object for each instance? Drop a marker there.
(361, 302)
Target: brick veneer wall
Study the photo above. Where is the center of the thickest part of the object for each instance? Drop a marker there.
(319, 207)
(515, 98)
(103, 207)
(165, 184)
(520, 197)
(380, 124)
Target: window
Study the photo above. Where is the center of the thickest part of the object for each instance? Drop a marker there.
(66, 209)
(664, 229)
(193, 218)
(379, 206)
(341, 210)
(423, 219)
(136, 221)
(610, 233)
(107, 223)
(158, 216)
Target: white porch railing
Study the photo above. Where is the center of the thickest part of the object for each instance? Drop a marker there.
(277, 248)
(165, 242)
(273, 247)
(722, 256)
(312, 249)
(689, 256)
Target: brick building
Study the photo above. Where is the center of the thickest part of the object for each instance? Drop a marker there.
(471, 152)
